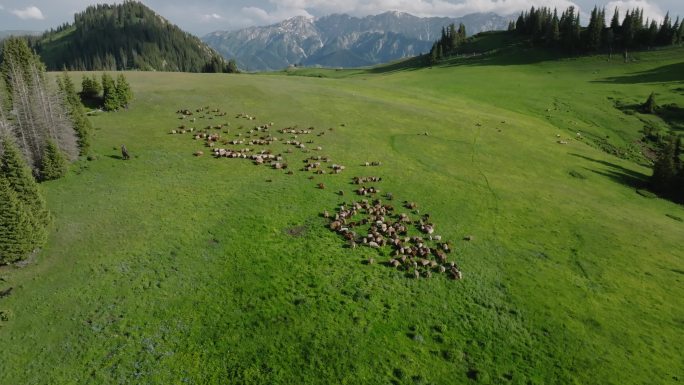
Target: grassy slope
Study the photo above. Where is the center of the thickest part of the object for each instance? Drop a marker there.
(173, 269)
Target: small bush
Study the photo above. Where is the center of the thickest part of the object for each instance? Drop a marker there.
(54, 163)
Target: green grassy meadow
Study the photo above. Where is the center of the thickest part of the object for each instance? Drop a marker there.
(174, 269)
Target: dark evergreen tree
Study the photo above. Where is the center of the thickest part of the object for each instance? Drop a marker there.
(665, 34)
(462, 35)
(15, 225)
(433, 55)
(651, 34)
(232, 67)
(615, 22)
(554, 36)
(665, 170)
(109, 95)
(14, 169)
(628, 30)
(452, 38)
(54, 163)
(123, 91)
(595, 29)
(520, 24)
(650, 105)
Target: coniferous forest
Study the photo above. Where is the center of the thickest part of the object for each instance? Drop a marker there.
(127, 36)
(625, 32)
(544, 27)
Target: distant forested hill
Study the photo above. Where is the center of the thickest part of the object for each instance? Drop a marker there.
(126, 36)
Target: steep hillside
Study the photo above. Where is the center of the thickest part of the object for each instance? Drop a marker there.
(351, 41)
(124, 37)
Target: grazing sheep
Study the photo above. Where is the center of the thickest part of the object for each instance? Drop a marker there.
(198, 153)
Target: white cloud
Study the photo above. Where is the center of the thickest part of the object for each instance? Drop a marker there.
(651, 11)
(212, 17)
(27, 13)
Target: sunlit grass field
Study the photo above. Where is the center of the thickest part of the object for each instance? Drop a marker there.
(174, 269)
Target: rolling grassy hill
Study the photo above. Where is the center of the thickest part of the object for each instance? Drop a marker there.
(175, 269)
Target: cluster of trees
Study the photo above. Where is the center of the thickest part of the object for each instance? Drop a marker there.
(115, 94)
(448, 43)
(123, 37)
(111, 94)
(628, 32)
(668, 171)
(40, 130)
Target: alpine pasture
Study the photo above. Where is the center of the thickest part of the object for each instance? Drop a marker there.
(175, 269)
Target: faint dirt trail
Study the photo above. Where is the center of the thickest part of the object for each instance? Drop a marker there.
(484, 176)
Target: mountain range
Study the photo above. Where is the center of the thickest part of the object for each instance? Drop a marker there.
(8, 33)
(340, 40)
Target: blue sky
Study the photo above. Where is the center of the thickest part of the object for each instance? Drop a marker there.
(203, 16)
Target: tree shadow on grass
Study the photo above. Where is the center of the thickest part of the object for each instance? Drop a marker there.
(92, 103)
(669, 73)
(673, 115)
(618, 173)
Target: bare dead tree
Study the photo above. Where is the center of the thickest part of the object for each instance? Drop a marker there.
(25, 127)
(37, 112)
(51, 113)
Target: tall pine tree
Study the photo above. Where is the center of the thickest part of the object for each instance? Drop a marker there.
(15, 225)
(14, 169)
(54, 164)
(123, 91)
(109, 94)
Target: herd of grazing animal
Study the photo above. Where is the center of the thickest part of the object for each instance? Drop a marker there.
(416, 249)
(418, 255)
